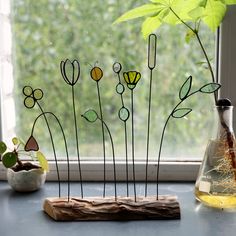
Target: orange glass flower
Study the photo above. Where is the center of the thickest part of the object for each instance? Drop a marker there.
(96, 73)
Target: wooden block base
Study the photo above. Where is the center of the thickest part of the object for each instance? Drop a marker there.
(124, 208)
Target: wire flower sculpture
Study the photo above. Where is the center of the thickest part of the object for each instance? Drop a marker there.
(132, 78)
(123, 115)
(70, 72)
(114, 207)
(178, 113)
(96, 74)
(92, 116)
(32, 98)
(151, 65)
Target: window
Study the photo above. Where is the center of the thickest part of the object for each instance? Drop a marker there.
(44, 33)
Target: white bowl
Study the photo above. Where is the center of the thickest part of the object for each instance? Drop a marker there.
(26, 181)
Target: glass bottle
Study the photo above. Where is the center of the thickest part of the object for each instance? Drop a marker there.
(216, 182)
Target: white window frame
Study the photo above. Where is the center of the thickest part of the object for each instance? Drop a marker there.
(169, 171)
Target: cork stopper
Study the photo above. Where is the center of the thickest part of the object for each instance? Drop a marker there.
(223, 102)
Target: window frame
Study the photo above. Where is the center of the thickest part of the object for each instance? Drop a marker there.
(169, 170)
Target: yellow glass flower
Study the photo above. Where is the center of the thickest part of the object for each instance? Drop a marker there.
(131, 78)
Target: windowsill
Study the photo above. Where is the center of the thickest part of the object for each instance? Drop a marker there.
(94, 171)
(22, 214)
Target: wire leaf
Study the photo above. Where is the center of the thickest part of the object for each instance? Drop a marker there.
(181, 112)
(90, 115)
(185, 89)
(210, 88)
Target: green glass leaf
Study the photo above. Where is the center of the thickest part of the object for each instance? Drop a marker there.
(42, 160)
(27, 90)
(120, 88)
(38, 94)
(15, 141)
(90, 115)
(214, 13)
(3, 147)
(185, 89)
(124, 114)
(144, 10)
(209, 88)
(149, 25)
(29, 102)
(181, 112)
(9, 159)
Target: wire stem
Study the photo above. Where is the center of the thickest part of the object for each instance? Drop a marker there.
(162, 138)
(132, 121)
(54, 150)
(103, 141)
(77, 142)
(148, 130)
(159, 154)
(113, 155)
(126, 160)
(126, 143)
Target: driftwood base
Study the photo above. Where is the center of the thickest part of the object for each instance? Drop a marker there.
(124, 208)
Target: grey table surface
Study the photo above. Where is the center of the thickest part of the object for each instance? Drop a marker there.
(21, 214)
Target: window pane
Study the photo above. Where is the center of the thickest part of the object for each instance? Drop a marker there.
(46, 32)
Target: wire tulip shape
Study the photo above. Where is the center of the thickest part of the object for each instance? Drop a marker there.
(70, 71)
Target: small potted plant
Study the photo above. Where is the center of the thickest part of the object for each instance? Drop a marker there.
(23, 176)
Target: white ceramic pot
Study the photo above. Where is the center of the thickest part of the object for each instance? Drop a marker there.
(26, 181)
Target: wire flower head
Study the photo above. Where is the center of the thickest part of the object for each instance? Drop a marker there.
(32, 96)
(70, 71)
(131, 78)
(96, 73)
(31, 144)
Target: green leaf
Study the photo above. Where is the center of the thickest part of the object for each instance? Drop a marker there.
(214, 13)
(162, 2)
(3, 147)
(209, 88)
(182, 9)
(15, 141)
(9, 159)
(203, 3)
(144, 10)
(42, 160)
(196, 13)
(149, 25)
(181, 112)
(189, 35)
(90, 115)
(200, 63)
(230, 2)
(185, 89)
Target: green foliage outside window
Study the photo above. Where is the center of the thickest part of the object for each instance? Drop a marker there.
(46, 32)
